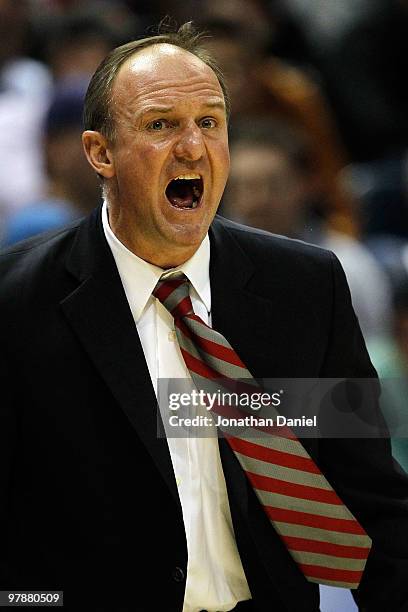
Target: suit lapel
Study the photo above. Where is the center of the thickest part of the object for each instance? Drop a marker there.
(240, 316)
(99, 314)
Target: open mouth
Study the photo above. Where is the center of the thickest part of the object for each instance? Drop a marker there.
(185, 191)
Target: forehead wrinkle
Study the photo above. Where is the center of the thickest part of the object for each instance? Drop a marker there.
(180, 87)
(143, 80)
(164, 95)
(130, 113)
(134, 103)
(178, 81)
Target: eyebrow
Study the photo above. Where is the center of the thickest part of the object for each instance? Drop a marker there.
(168, 109)
(215, 104)
(157, 109)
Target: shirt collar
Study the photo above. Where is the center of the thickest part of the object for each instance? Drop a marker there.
(139, 277)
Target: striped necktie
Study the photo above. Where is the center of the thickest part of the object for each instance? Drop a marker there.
(320, 533)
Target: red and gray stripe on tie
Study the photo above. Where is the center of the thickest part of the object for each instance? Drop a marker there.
(321, 534)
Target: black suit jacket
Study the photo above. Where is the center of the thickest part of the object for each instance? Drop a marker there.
(88, 500)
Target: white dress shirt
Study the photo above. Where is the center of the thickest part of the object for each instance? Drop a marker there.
(215, 576)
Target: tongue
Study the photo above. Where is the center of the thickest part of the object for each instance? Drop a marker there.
(180, 195)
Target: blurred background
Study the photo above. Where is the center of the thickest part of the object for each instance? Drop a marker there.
(318, 136)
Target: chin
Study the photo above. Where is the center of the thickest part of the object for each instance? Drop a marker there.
(189, 234)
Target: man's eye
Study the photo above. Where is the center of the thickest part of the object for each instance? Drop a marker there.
(208, 123)
(158, 124)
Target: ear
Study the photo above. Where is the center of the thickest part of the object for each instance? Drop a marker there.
(98, 153)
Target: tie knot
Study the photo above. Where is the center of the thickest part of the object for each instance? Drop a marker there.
(174, 293)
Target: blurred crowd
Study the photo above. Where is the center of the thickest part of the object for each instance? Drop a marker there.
(318, 132)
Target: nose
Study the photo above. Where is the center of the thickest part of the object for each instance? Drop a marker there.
(190, 145)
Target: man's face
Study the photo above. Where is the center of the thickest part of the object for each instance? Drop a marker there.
(170, 153)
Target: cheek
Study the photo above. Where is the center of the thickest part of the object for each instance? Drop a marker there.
(137, 147)
(137, 169)
(149, 162)
(221, 162)
(225, 156)
(224, 150)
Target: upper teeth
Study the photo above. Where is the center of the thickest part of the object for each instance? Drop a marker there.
(186, 177)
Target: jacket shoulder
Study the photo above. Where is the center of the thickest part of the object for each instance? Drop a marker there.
(259, 244)
(21, 262)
